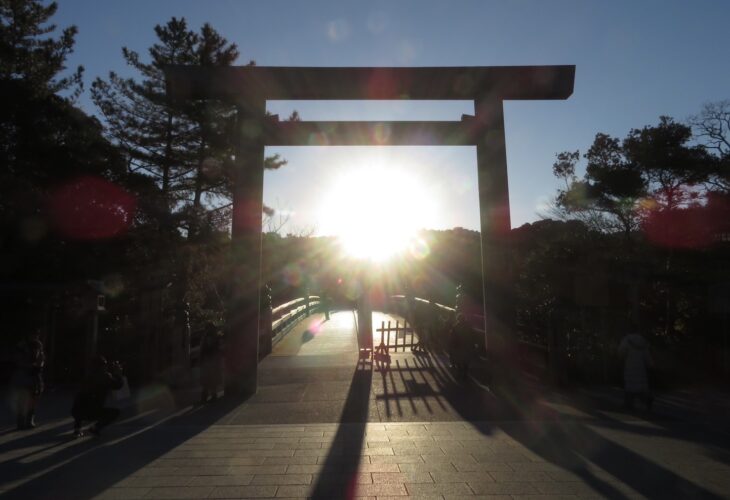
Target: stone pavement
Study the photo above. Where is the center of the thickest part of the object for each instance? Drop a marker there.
(322, 427)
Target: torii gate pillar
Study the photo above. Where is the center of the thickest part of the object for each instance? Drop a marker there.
(243, 305)
(494, 213)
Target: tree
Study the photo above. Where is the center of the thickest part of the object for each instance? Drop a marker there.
(653, 168)
(44, 140)
(671, 168)
(712, 128)
(156, 136)
(27, 55)
(607, 195)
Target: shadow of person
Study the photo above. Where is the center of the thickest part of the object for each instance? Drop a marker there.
(86, 467)
(574, 446)
(338, 476)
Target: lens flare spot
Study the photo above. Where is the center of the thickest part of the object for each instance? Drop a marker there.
(91, 208)
(419, 249)
(292, 275)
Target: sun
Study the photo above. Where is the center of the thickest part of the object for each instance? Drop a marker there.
(376, 210)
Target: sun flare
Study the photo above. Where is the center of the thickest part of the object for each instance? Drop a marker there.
(376, 212)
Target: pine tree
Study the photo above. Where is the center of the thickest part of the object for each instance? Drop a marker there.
(28, 55)
(155, 135)
(212, 120)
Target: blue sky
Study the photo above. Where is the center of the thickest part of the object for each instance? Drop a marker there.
(635, 61)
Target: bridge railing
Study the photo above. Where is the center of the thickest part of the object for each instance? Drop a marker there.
(285, 316)
(531, 357)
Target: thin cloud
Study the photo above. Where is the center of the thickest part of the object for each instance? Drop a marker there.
(338, 30)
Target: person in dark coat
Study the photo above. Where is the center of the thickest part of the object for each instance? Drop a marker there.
(89, 402)
(634, 349)
(461, 346)
(211, 369)
(28, 378)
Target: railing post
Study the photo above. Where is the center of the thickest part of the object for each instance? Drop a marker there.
(265, 329)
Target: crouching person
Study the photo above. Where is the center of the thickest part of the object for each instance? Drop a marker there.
(89, 402)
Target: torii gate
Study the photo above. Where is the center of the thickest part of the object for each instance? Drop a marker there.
(249, 87)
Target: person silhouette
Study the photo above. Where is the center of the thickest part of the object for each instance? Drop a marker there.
(461, 346)
(634, 349)
(89, 403)
(210, 363)
(28, 378)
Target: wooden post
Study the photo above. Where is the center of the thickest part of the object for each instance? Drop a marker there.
(243, 309)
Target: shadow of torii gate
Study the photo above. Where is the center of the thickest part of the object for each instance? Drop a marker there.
(249, 87)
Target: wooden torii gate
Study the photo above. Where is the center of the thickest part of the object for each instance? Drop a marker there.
(249, 87)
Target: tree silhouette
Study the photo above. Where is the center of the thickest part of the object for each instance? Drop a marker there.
(28, 55)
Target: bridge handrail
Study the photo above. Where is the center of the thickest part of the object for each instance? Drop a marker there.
(288, 305)
(443, 307)
(288, 314)
(524, 347)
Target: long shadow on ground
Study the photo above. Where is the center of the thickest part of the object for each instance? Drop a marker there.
(338, 477)
(568, 443)
(572, 445)
(89, 466)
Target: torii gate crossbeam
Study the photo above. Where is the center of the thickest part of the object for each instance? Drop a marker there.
(250, 87)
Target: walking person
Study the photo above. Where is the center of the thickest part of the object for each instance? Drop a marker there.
(634, 349)
(28, 379)
(89, 403)
(211, 368)
(325, 304)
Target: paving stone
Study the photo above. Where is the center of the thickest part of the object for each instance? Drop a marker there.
(436, 459)
(545, 497)
(500, 457)
(485, 466)
(298, 446)
(396, 459)
(494, 488)
(460, 477)
(438, 488)
(304, 469)
(153, 481)
(294, 491)
(180, 492)
(243, 492)
(402, 477)
(290, 460)
(366, 468)
(338, 479)
(523, 476)
(156, 471)
(565, 488)
(540, 466)
(257, 469)
(417, 497)
(377, 451)
(204, 470)
(121, 493)
(237, 480)
(379, 490)
(282, 479)
(421, 467)
(398, 450)
(479, 497)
